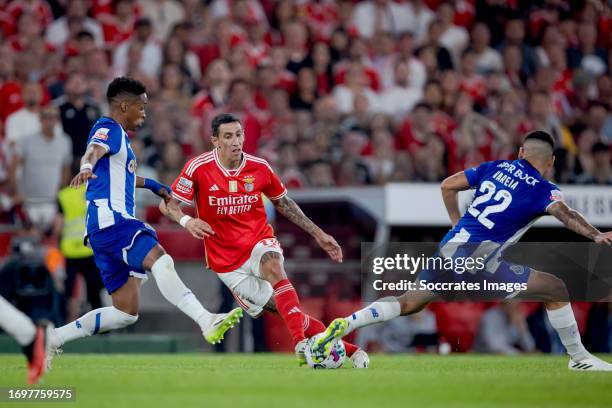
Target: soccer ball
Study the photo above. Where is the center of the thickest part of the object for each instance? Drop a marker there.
(333, 360)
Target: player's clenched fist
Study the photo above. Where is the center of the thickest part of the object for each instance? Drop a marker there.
(199, 229)
(81, 178)
(329, 245)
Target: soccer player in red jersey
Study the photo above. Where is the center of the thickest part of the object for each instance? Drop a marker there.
(226, 186)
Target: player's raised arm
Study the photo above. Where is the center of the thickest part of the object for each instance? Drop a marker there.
(576, 222)
(93, 153)
(294, 213)
(451, 186)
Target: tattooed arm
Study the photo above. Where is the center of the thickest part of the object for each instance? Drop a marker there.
(576, 222)
(294, 213)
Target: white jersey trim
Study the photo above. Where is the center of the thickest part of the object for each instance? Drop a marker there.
(181, 199)
(197, 162)
(117, 173)
(225, 171)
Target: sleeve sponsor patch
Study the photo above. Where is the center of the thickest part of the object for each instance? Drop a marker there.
(556, 195)
(101, 134)
(184, 185)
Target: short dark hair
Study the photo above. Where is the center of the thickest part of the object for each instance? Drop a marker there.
(600, 147)
(124, 85)
(85, 34)
(222, 119)
(542, 136)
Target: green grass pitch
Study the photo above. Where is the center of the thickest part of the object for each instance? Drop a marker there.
(272, 380)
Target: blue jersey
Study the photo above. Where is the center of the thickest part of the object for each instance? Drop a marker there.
(510, 196)
(111, 196)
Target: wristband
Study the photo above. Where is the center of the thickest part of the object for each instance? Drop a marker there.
(155, 186)
(86, 166)
(184, 220)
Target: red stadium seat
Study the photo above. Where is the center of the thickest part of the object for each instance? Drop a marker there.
(458, 322)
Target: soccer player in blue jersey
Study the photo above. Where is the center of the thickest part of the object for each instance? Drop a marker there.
(510, 196)
(124, 247)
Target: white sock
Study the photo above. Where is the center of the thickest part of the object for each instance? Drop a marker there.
(94, 322)
(16, 323)
(175, 291)
(564, 322)
(377, 312)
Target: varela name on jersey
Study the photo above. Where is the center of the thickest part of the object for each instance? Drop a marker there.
(510, 196)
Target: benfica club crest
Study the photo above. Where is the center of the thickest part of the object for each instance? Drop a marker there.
(248, 183)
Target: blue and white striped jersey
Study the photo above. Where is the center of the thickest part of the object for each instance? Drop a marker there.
(510, 196)
(111, 196)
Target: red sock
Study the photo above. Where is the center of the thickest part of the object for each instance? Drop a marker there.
(313, 326)
(288, 306)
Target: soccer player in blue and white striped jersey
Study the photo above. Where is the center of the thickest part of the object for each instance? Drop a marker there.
(510, 196)
(124, 247)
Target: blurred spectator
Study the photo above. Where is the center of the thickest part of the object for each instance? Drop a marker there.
(487, 58)
(515, 36)
(46, 158)
(381, 162)
(320, 174)
(75, 20)
(454, 38)
(78, 114)
(355, 83)
(240, 102)
(503, 330)
(171, 163)
(118, 25)
(149, 54)
(306, 93)
(598, 119)
(25, 121)
(386, 15)
(175, 52)
(600, 172)
(586, 54)
(399, 99)
(423, 16)
(351, 169)
(163, 14)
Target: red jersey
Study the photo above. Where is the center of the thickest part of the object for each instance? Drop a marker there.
(230, 201)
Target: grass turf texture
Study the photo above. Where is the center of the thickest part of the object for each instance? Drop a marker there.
(272, 380)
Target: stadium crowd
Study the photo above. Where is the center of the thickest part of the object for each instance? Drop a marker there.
(331, 93)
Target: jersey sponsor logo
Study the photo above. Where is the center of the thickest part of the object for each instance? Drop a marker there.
(248, 183)
(518, 173)
(556, 195)
(214, 187)
(233, 205)
(184, 185)
(101, 134)
(132, 166)
(233, 186)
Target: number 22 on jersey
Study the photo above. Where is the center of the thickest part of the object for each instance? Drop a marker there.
(496, 201)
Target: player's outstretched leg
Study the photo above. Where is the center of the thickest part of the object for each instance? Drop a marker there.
(31, 338)
(380, 311)
(213, 326)
(552, 291)
(123, 313)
